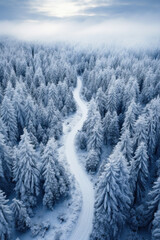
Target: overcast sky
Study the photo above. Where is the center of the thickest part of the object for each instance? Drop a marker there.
(80, 19)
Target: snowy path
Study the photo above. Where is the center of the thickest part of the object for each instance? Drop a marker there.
(83, 227)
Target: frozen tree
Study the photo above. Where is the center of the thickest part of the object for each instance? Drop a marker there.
(54, 121)
(141, 131)
(25, 172)
(29, 109)
(54, 177)
(9, 118)
(92, 161)
(111, 100)
(139, 171)
(9, 91)
(3, 130)
(95, 138)
(82, 140)
(21, 217)
(113, 198)
(5, 162)
(126, 146)
(5, 218)
(101, 101)
(156, 226)
(154, 196)
(111, 128)
(131, 116)
(18, 103)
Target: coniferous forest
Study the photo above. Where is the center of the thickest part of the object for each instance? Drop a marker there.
(118, 145)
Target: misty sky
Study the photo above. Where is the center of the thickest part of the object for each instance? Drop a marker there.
(80, 19)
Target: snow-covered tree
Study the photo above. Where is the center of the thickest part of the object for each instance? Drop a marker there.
(54, 177)
(111, 128)
(29, 109)
(131, 116)
(9, 118)
(111, 100)
(141, 131)
(25, 172)
(154, 196)
(95, 138)
(5, 162)
(139, 171)
(113, 198)
(5, 218)
(21, 217)
(126, 146)
(54, 121)
(101, 101)
(82, 140)
(92, 161)
(156, 226)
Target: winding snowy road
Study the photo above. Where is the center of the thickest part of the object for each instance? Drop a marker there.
(83, 226)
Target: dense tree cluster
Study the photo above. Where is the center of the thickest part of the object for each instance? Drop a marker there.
(122, 86)
(36, 84)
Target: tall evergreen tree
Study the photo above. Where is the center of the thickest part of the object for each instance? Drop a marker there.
(25, 171)
(5, 218)
(55, 180)
(113, 198)
(101, 101)
(126, 146)
(21, 217)
(139, 171)
(141, 131)
(9, 118)
(156, 226)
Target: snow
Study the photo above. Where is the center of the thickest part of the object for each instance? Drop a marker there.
(83, 227)
(72, 218)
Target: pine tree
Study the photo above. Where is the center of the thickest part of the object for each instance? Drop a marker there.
(131, 116)
(154, 196)
(113, 198)
(126, 146)
(139, 171)
(54, 121)
(21, 218)
(111, 128)
(95, 138)
(156, 226)
(18, 104)
(5, 218)
(5, 162)
(111, 100)
(92, 161)
(55, 180)
(9, 118)
(25, 172)
(101, 101)
(29, 111)
(141, 131)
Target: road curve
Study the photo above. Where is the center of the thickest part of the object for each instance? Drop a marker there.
(83, 227)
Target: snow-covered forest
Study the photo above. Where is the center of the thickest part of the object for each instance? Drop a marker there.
(118, 145)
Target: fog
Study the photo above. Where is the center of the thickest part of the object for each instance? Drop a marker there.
(87, 21)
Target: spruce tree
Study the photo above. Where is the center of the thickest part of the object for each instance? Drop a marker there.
(9, 118)
(25, 172)
(139, 171)
(55, 180)
(21, 217)
(5, 218)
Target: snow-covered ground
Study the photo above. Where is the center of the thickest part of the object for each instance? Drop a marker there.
(72, 218)
(83, 227)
